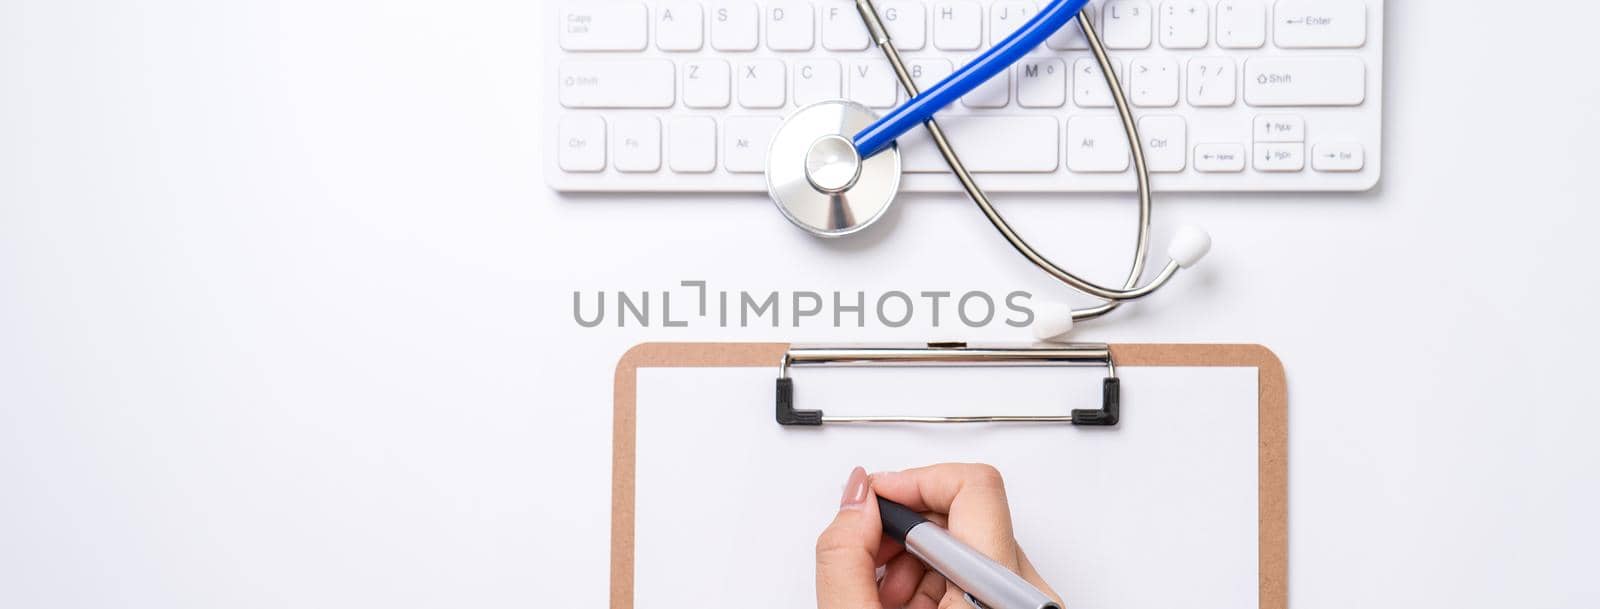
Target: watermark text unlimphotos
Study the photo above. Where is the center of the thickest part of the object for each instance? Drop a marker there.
(694, 303)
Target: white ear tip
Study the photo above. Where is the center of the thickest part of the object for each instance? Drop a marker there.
(1052, 321)
(1189, 246)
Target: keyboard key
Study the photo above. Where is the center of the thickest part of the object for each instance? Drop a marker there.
(603, 26)
(790, 26)
(707, 83)
(993, 93)
(842, 29)
(1089, 88)
(734, 26)
(1185, 24)
(1154, 82)
(1338, 156)
(680, 27)
(1096, 144)
(873, 83)
(926, 73)
(761, 84)
(1219, 158)
(1280, 157)
(907, 23)
(644, 83)
(1127, 24)
(1280, 128)
(816, 81)
(692, 144)
(746, 142)
(1006, 17)
(1241, 24)
(957, 26)
(1166, 143)
(582, 143)
(636, 144)
(1070, 36)
(988, 144)
(1319, 24)
(1212, 82)
(1041, 83)
(1305, 81)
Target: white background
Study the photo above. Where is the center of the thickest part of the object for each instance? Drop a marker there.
(285, 310)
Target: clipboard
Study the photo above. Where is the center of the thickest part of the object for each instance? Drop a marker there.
(1271, 449)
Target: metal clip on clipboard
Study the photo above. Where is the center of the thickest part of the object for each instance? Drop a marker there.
(951, 354)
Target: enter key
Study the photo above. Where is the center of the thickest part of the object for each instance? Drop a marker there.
(1319, 24)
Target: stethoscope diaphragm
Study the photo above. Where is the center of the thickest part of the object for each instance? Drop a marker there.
(816, 178)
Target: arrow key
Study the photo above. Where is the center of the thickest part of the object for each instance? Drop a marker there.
(1219, 158)
(1338, 156)
(1274, 128)
(1280, 157)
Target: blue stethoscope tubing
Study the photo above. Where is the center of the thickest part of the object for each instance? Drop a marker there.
(883, 133)
(807, 148)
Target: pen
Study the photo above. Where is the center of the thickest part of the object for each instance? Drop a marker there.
(988, 584)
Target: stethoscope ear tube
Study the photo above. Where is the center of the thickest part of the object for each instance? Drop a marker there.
(1036, 27)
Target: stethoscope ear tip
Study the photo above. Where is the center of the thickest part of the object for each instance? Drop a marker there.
(1189, 245)
(1052, 322)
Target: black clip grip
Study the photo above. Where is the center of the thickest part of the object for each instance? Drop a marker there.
(1110, 410)
(787, 415)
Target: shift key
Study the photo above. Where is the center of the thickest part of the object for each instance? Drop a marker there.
(645, 83)
(1305, 81)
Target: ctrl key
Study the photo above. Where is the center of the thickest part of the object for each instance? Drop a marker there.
(583, 143)
(1338, 156)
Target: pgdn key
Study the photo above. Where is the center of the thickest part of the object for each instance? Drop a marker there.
(1280, 157)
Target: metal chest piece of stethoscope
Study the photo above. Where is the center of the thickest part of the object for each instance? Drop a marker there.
(833, 167)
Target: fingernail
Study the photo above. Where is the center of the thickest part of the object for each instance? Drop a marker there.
(855, 490)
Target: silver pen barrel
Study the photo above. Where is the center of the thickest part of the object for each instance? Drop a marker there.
(983, 579)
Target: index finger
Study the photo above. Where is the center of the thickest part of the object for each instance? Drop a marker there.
(973, 495)
(846, 550)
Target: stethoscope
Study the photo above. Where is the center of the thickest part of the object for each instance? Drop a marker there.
(833, 168)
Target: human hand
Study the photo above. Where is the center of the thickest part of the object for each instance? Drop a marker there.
(968, 499)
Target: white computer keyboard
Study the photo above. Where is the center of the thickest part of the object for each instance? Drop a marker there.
(1230, 95)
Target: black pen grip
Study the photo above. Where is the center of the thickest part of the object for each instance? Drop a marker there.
(898, 520)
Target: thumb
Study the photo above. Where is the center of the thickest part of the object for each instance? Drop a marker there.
(847, 550)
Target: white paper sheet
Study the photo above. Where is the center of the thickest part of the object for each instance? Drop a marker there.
(1160, 511)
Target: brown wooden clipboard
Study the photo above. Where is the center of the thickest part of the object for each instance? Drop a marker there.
(1272, 436)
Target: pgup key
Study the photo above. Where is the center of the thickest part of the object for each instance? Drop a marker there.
(1280, 128)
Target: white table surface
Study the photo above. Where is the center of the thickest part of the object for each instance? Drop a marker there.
(285, 310)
